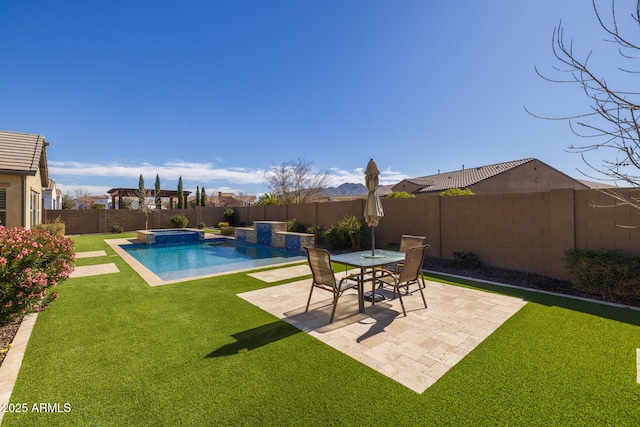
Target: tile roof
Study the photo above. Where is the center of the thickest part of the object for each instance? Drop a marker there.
(21, 152)
(465, 177)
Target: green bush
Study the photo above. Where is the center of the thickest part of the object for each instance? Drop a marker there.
(294, 226)
(228, 215)
(179, 221)
(457, 192)
(31, 263)
(466, 260)
(202, 225)
(55, 228)
(347, 234)
(401, 195)
(223, 224)
(611, 274)
(116, 229)
(227, 231)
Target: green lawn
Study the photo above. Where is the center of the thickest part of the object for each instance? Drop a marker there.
(121, 353)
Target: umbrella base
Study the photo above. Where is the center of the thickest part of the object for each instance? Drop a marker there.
(379, 297)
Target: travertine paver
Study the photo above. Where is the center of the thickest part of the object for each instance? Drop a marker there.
(90, 254)
(94, 270)
(415, 350)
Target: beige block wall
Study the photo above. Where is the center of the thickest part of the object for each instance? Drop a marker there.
(519, 231)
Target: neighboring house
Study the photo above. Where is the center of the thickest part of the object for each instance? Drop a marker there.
(51, 196)
(103, 200)
(230, 200)
(518, 176)
(23, 177)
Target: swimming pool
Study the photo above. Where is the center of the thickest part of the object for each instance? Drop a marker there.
(206, 257)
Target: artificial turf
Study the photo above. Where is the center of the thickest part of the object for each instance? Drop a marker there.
(119, 352)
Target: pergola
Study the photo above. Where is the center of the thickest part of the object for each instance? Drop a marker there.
(134, 192)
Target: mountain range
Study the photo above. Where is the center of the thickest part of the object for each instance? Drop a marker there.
(346, 189)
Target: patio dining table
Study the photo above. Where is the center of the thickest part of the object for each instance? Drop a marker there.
(367, 261)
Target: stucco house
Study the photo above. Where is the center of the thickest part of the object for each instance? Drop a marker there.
(23, 176)
(518, 176)
(51, 196)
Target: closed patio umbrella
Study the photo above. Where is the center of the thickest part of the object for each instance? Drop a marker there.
(373, 208)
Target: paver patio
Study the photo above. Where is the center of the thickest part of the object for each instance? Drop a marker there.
(415, 350)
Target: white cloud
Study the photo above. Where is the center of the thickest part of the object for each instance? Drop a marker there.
(172, 170)
(86, 176)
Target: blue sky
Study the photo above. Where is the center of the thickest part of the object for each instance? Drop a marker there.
(219, 92)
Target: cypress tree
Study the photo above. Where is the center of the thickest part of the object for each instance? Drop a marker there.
(197, 196)
(180, 195)
(141, 193)
(156, 194)
(203, 197)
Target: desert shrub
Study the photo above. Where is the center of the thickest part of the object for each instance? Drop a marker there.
(294, 226)
(228, 215)
(466, 260)
(227, 231)
(457, 192)
(179, 221)
(99, 206)
(347, 234)
(401, 195)
(202, 225)
(223, 224)
(31, 263)
(55, 228)
(613, 275)
(116, 229)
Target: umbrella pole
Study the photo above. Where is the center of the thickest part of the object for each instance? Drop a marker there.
(373, 241)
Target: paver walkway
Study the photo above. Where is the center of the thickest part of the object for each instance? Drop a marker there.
(415, 350)
(93, 270)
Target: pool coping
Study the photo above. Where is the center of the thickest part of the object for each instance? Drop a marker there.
(153, 280)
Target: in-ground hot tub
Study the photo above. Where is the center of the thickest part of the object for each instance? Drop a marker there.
(170, 236)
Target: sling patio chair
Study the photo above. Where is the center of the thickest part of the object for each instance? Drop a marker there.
(324, 277)
(407, 242)
(410, 274)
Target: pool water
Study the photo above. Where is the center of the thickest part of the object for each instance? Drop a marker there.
(181, 261)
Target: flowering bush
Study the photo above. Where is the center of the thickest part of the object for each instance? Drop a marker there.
(31, 263)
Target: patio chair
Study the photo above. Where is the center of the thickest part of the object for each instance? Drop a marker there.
(410, 274)
(407, 242)
(324, 278)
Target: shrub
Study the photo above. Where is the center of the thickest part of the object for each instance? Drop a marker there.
(179, 221)
(227, 231)
(401, 195)
(202, 225)
(99, 206)
(223, 224)
(610, 274)
(294, 226)
(31, 263)
(466, 260)
(116, 229)
(457, 192)
(228, 215)
(55, 228)
(346, 234)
